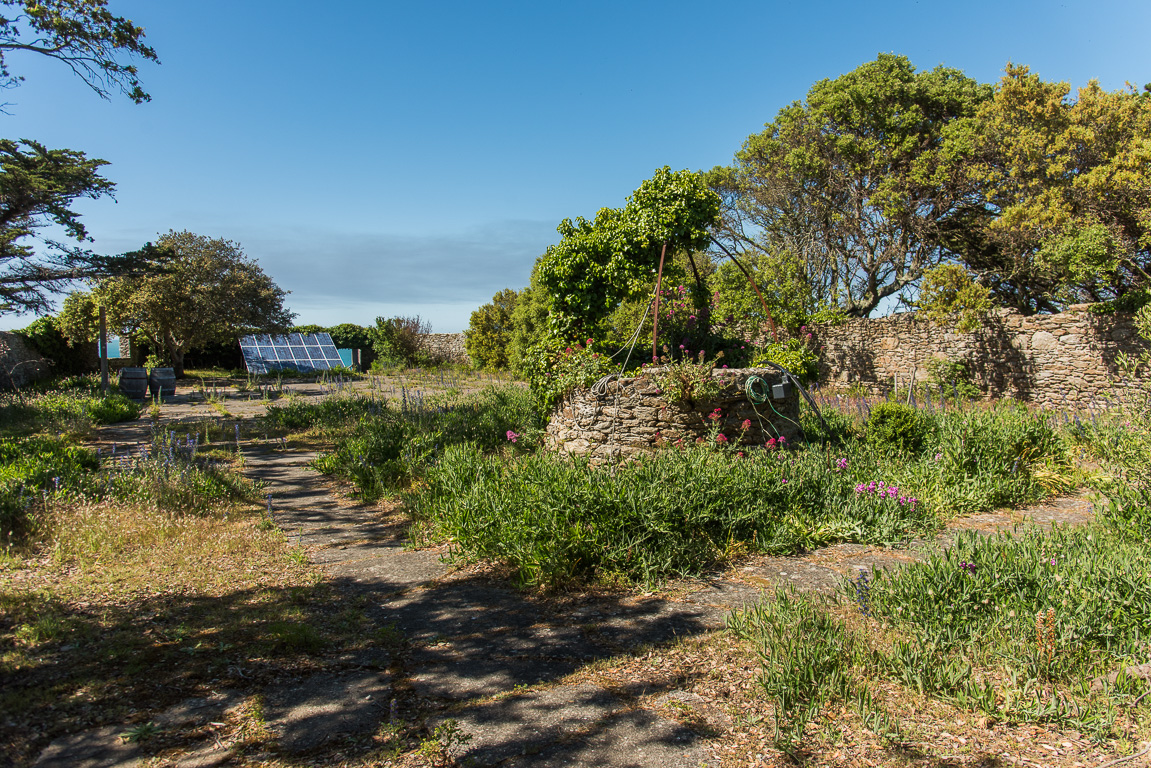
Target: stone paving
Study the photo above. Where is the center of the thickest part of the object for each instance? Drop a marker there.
(473, 650)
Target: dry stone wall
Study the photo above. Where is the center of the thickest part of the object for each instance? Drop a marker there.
(20, 364)
(446, 347)
(1062, 360)
(631, 416)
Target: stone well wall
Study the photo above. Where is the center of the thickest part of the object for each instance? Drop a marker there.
(582, 425)
(1063, 360)
(446, 347)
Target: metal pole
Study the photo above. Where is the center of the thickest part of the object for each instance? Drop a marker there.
(655, 318)
(103, 350)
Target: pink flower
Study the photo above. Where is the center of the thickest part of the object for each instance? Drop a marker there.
(512, 436)
(721, 438)
(746, 425)
(589, 341)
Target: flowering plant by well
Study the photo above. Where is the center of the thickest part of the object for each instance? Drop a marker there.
(689, 379)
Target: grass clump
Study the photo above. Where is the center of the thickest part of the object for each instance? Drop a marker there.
(1031, 627)
(810, 660)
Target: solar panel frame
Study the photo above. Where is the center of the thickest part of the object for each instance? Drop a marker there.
(305, 353)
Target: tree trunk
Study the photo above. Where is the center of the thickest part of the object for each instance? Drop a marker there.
(178, 363)
(176, 354)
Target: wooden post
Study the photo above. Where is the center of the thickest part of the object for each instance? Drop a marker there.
(103, 351)
(655, 318)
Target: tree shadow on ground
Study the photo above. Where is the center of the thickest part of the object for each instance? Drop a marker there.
(333, 663)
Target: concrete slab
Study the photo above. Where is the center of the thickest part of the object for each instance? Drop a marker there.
(326, 707)
(97, 748)
(726, 595)
(394, 569)
(655, 621)
(456, 608)
(447, 674)
(633, 739)
(529, 723)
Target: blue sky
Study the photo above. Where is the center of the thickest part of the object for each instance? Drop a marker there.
(414, 158)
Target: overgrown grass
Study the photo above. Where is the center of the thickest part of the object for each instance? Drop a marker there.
(72, 405)
(678, 512)
(1033, 626)
(671, 514)
(961, 460)
(41, 474)
(381, 446)
(1030, 626)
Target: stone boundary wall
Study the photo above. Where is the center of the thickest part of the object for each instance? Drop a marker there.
(446, 347)
(20, 363)
(582, 424)
(1062, 360)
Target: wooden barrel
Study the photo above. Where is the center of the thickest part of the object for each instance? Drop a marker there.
(162, 382)
(134, 383)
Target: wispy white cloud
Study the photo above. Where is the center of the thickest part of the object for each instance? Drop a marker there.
(326, 271)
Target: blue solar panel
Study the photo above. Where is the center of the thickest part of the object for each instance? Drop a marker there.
(305, 353)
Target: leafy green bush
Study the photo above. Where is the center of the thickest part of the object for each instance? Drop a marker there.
(796, 354)
(896, 426)
(396, 340)
(45, 336)
(31, 466)
(688, 379)
(552, 374)
(489, 331)
(952, 378)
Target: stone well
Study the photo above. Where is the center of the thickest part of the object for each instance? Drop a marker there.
(632, 416)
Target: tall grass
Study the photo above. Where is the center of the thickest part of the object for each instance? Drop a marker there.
(71, 405)
(965, 460)
(670, 514)
(381, 446)
(39, 476)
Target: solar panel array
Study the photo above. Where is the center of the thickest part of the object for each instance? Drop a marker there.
(303, 352)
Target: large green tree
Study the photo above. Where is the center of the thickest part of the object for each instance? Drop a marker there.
(38, 186)
(83, 34)
(489, 331)
(1059, 192)
(599, 264)
(209, 291)
(849, 181)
